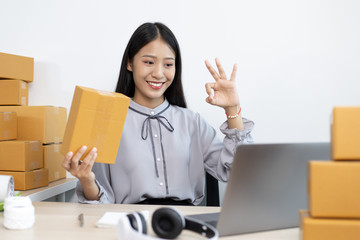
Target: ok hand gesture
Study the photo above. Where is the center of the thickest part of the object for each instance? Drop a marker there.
(222, 92)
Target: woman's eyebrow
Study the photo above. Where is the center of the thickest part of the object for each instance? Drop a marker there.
(152, 56)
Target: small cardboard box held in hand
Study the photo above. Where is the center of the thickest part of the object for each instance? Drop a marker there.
(96, 119)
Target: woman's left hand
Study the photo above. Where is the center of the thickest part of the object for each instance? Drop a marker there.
(222, 92)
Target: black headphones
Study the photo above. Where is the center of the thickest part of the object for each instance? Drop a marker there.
(166, 223)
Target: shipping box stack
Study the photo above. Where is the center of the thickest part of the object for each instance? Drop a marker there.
(15, 74)
(39, 128)
(334, 187)
(47, 125)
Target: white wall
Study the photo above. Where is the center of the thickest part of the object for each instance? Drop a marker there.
(297, 59)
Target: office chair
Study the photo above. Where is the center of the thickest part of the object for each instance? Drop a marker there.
(212, 191)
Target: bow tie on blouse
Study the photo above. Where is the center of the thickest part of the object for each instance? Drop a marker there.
(146, 129)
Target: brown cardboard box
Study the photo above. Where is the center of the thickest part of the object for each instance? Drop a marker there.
(327, 228)
(334, 189)
(302, 215)
(21, 155)
(30, 179)
(16, 67)
(8, 126)
(44, 123)
(345, 133)
(14, 92)
(96, 119)
(52, 161)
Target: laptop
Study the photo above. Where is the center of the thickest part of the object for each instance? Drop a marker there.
(267, 187)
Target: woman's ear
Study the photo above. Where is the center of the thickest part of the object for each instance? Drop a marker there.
(129, 66)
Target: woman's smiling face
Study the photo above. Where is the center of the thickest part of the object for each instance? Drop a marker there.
(153, 69)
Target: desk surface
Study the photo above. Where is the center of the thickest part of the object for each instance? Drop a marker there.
(55, 220)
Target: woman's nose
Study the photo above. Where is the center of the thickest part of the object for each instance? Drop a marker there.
(157, 72)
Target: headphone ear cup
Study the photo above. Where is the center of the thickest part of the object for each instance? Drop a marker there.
(167, 223)
(137, 222)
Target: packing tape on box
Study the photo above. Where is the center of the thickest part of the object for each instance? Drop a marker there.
(56, 148)
(23, 85)
(6, 187)
(23, 101)
(35, 146)
(7, 116)
(19, 213)
(6, 134)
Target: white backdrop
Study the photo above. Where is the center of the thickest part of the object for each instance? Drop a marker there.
(297, 59)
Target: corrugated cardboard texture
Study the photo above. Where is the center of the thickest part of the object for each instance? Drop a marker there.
(328, 229)
(8, 126)
(345, 133)
(43, 123)
(53, 160)
(21, 155)
(14, 92)
(29, 180)
(96, 119)
(16, 67)
(334, 189)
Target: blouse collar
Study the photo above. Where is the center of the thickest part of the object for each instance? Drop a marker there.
(149, 111)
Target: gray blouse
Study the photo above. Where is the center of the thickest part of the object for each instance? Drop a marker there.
(164, 153)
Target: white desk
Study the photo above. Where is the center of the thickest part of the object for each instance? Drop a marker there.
(59, 191)
(58, 220)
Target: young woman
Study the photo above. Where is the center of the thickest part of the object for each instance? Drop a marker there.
(165, 148)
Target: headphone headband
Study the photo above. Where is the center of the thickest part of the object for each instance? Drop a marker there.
(201, 227)
(168, 218)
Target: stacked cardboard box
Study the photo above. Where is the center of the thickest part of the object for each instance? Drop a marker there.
(8, 126)
(16, 67)
(15, 74)
(37, 128)
(334, 187)
(52, 161)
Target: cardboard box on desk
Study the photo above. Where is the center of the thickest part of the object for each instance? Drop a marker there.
(327, 228)
(96, 119)
(345, 133)
(334, 189)
(16, 67)
(29, 179)
(14, 92)
(8, 126)
(21, 155)
(44, 123)
(52, 161)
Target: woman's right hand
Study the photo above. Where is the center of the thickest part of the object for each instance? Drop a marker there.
(81, 169)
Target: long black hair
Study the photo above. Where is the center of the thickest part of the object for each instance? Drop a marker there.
(144, 34)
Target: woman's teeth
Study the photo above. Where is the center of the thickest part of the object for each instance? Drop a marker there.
(155, 84)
